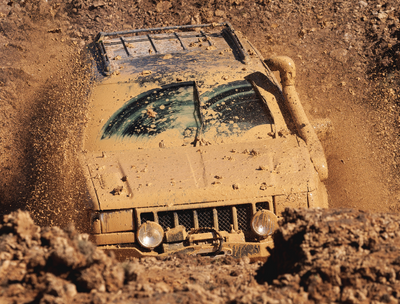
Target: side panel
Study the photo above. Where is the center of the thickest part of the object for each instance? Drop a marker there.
(293, 200)
(91, 201)
(117, 221)
(318, 197)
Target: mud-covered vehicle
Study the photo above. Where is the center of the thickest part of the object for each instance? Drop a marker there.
(192, 145)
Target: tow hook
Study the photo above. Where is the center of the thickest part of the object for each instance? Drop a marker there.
(216, 236)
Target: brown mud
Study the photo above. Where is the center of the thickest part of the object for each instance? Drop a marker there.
(342, 256)
(347, 57)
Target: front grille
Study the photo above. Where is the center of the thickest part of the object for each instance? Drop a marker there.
(225, 218)
(262, 206)
(185, 218)
(244, 217)
(166, 219)
(204, 217)
(145, 217)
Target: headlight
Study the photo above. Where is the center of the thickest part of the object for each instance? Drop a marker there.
(264, 223)
(150, 235)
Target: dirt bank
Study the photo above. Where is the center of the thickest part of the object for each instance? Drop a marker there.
(335, 256)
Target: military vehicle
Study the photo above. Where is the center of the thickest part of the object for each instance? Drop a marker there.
(192, 144)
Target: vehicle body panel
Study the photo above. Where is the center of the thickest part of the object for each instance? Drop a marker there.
(184, 175)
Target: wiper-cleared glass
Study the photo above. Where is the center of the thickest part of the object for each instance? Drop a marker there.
(232, 109)
(175, 114)
(154, 112)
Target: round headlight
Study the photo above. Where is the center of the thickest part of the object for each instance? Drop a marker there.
(264, 223)
(150, 235)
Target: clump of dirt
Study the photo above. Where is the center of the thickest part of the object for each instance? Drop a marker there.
(320, 256)
(342, 256)
(51, 265)
(41, 265)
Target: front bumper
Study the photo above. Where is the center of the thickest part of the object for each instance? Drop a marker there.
(253, 250)
(198, 241)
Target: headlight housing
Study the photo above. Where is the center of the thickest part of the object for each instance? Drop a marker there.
(150, 235)
(264, 223)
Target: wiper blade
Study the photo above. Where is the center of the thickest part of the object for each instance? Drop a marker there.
(199, 139)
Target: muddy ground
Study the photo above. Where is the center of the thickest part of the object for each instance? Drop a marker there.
(347, 58)
(342, 256)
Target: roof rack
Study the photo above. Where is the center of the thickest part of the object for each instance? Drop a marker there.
(100, 40)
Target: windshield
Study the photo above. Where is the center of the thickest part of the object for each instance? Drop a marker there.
(179, 111)
(232, 109)
(154, 112)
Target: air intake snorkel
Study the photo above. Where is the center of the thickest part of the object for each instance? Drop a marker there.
(287, 71)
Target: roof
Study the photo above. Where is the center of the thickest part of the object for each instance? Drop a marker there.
(117, 49)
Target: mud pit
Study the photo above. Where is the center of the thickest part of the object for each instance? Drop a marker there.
(347, 58)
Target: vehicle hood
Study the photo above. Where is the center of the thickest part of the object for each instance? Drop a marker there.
(185, 175)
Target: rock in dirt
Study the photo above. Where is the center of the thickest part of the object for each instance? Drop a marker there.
(339, 55)
(163, 6)
(219, 13)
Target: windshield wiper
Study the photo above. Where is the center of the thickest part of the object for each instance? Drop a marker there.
(199, 139)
